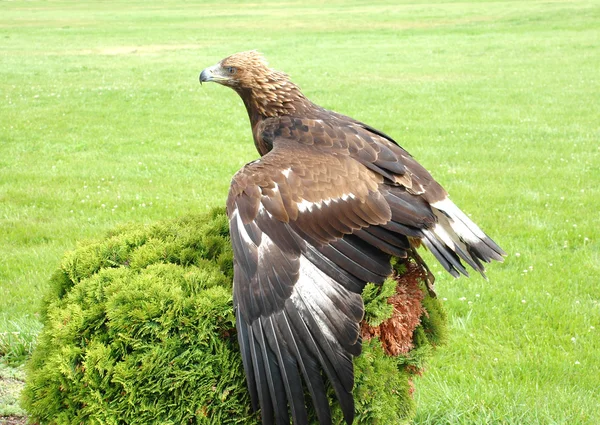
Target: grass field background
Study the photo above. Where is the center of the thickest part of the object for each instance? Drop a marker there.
(102, 121)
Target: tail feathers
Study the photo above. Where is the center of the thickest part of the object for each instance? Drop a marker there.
(455, 237)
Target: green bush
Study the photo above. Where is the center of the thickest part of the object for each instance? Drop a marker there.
(139, 329)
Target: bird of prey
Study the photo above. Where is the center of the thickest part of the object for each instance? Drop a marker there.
(319, 215)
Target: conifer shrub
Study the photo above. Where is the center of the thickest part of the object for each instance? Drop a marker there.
(139, 329)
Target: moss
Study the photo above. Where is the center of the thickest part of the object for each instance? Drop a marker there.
(434, 322)
(375, 297)
(139, 329)
(382, 390)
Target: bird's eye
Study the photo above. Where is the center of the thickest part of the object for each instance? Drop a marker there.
(231, 70)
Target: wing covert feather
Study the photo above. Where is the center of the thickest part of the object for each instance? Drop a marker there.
(309, 228)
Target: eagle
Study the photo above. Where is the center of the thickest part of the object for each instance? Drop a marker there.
(321, 213)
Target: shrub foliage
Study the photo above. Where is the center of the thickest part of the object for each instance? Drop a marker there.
(139, 329)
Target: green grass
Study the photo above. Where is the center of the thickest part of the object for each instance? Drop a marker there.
(102, 121)
(11, 384)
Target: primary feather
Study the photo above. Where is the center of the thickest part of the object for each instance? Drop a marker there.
(311, 222)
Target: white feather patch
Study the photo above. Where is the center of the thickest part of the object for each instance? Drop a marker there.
(310, 292)
(308, 206)
(305, 205)
(443, 235)
(460, 223)
(241, 228)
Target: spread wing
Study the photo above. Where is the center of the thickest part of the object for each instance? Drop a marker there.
(297, 279)
(451, 237)
(310, 225)
(333, 132)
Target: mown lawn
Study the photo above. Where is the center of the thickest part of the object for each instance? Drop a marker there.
(102, 121)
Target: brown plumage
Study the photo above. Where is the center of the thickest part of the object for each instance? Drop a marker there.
(318, 216)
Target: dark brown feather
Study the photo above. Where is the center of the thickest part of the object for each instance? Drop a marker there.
(318, 216)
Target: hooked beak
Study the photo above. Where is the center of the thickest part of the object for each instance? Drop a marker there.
(205, 76)
(211, 74)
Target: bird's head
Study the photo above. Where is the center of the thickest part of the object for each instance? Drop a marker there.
(264, 90)
(245, 70)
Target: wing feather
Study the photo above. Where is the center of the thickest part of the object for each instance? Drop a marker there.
(309, 367)
(261, 377)
(290, 376)
(309, 228)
